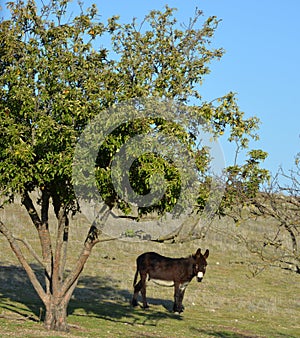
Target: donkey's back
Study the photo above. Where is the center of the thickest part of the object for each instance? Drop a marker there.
(156, 266)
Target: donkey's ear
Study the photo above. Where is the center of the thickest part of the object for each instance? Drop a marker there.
(198, 252)
(206, 253)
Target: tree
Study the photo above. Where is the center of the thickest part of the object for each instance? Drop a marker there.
(280, 204)
(276, 203)
(55, 79)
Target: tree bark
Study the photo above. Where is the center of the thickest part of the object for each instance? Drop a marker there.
(56, 315)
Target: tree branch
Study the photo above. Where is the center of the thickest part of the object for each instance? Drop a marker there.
(31, 250)
(43, 230)
(27, 202)
(74, 275)
(17, 251)
(58, 257)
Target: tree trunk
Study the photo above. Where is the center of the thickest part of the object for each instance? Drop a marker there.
(56, 315)
(55, 298)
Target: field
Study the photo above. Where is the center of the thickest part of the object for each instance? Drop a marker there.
(230, 302)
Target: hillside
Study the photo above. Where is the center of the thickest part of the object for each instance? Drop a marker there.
(230, 302)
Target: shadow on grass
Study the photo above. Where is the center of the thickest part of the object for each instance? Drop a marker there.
(100, 297)
(17, 294)
(95, 296)
(230, 333)
(223, 333)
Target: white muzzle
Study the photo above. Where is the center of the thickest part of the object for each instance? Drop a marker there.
(200, 276)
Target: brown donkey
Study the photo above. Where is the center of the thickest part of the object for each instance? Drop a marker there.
(177, 272)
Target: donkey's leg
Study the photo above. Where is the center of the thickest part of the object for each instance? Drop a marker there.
(143, 290)
(181, 295)
(176, 298)
(137, 289)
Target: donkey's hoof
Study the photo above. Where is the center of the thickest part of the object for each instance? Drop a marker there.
(134, 303)
(178, 311)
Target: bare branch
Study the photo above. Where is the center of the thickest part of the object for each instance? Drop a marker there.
(31, 250)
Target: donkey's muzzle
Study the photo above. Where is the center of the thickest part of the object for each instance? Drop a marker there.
(200, 276)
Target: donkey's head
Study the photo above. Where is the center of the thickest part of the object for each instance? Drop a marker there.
(200, 264)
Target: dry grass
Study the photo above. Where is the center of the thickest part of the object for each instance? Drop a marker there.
(228, 303)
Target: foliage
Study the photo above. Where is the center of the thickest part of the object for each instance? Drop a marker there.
(244, 182)
(54, 81)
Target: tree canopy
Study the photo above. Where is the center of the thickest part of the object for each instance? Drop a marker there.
(56, 76)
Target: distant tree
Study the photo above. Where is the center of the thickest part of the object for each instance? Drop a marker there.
(54, 78)
(278, 204)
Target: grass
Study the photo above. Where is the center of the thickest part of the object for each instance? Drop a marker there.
(228, 303)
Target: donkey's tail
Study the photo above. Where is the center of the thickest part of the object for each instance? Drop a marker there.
(135, 277)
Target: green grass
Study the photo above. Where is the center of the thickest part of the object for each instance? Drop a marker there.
(228, 303)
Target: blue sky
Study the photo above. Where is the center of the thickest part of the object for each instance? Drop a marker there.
(261, 64)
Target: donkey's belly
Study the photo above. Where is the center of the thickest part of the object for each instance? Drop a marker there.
(162, 282)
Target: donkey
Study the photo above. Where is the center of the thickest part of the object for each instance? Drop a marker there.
(166, 271)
